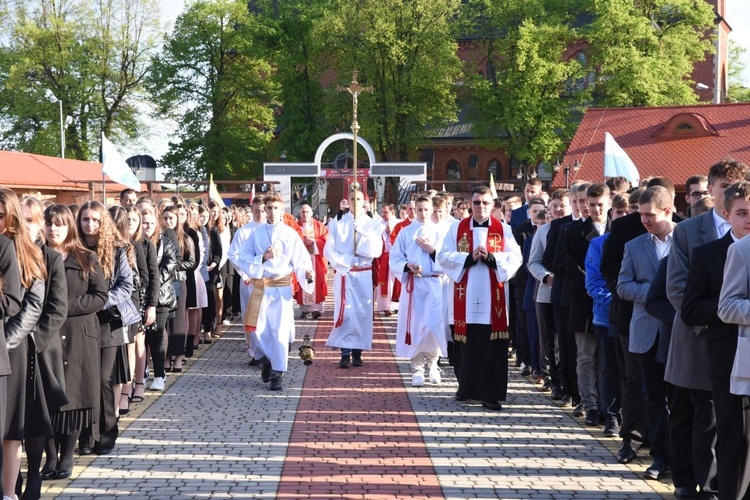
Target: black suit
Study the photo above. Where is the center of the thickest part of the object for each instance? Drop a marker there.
(699, 308)
(576, 244)
(521, 341)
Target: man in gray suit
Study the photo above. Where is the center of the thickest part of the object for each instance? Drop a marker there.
(639, 265)
(692, 424)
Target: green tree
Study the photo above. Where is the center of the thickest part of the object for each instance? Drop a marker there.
(524, 97)
(736, 91)
(92, 55)
(645, 51)
(404, 49)
(212, 77)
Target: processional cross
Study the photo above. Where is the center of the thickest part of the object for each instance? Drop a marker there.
(354, 89)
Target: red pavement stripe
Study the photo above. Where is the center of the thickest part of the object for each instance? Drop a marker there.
(355, 434)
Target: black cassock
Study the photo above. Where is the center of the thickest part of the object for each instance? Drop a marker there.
(481, 365)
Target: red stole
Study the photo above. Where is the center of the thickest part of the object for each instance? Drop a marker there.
(495, 243)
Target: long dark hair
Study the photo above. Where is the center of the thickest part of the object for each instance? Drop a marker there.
(60, 215)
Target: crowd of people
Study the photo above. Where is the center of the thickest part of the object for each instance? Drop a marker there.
(602, 294)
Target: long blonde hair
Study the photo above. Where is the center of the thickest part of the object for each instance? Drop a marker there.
(30, 258)
(109, 238)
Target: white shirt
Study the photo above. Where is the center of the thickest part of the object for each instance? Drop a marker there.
(722, 226)
(662, 247)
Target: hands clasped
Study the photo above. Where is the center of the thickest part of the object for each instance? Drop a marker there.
(271, 253)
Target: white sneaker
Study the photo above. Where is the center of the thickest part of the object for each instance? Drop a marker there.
(157, 384)
(226, 322)
(417, 380)
(435, 375)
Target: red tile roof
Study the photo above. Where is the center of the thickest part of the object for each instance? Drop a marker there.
(26, 170)
(652, 139)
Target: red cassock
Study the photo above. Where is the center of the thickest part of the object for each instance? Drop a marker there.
(320, 264)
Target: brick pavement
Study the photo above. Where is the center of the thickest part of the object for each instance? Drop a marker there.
(217, 432)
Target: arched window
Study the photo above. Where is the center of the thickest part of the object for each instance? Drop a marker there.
(494, 168)
(454, 171)
(585, 81)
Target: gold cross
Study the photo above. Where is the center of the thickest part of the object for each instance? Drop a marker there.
(460, 289)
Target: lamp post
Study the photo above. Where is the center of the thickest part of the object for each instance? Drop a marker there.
(53, 99)
(525, 172)
(566, 168)
(719, 95)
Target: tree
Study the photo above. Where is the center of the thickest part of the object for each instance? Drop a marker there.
(404, 49)
(524, 97)
(736, 91)
(211, 75)
(92, 55)
(645, 51)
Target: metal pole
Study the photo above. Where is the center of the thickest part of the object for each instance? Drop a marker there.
(62, 131)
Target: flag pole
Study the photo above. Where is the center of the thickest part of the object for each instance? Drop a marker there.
(101, 160)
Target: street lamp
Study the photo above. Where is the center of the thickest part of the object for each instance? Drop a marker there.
(53, 99)
(719, 95)
(566, 169)
(525, 172)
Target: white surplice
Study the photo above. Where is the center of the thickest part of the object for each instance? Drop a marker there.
(384, 302)
(422, 308)
(478, 285)
(275, 327)
(355, 331)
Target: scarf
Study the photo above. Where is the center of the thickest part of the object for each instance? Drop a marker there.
(498, 317)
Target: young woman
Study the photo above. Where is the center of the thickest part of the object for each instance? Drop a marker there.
(197, 298)
(117, 257)
(148, 297)
(214, 275)
(166, 301)
(221, 232)
(17, 328)
(45, 359)
(87, 294)
(178, 326)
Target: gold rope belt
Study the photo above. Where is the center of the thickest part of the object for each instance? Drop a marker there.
(256, 298)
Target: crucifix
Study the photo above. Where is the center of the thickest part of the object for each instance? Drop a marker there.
(354, 89)
(461, 291)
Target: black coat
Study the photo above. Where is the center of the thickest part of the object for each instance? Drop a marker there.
(701, 302)
(11, 298)
(548, 258)
(151, 279)
(80, 334)
(49, 350)
(576, 244)
(166, 259)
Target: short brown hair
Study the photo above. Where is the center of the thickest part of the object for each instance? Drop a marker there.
(559, 194)
(618, 184)
(634, 196)
(696, 179)
(448, 196)
(729, 169)
(273, 197)
(659, 196)
(620, 201)
(597, 191)
(481, 190)
(534, 181)
(537, 201)
(423, 198)
(438, 201)
(737, 191)
(664, 182)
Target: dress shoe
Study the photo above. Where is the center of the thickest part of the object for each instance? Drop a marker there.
(357, 357)
(526, 371)
(579, 412)
(315, 315)
(611, 427)
(686, 492)
(253, 362)
(265, 374)
(82, 451)
(275, 384)
(302, 315)
(566, 401)
(47, 473)
(345, 361)
(556, 395)
(458, 398)
(492, 405)
(592, 418)
(103, 450)
(657, 470)
(62, 473)
(626, 453)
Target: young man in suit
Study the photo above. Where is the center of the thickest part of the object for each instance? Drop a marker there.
(532, 189)
(692, 423)
(575, 246)
(699, 309)
(639, 265)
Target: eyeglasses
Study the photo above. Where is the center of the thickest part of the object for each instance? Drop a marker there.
(477, 203)
(699, 194)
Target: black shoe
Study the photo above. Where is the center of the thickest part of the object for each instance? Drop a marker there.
(265, 374)
(62, 473)
(547, 387)
(345, 361)
(566, 402)
(316, 315)
(302, 315)
(611, 427)
(557, 395)
(357, 357)
(686, 492)
(657, 470)
(275, 384)
(492, 405)
(518, 362)
(47, 473)
(526, 371)
(103, 450)
(82, 451)
(253, 362)
(578, 412)
(592, 418)
(458, 398)
(626, 453)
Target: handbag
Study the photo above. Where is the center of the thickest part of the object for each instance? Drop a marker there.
(124, 314)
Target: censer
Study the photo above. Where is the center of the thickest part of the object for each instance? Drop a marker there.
(306, 351)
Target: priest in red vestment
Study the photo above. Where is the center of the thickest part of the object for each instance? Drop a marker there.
(314, 235)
